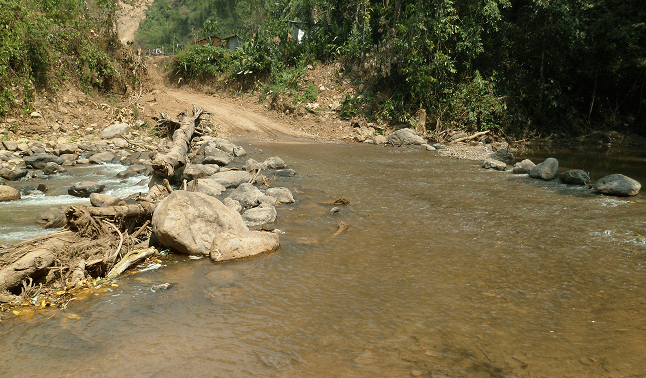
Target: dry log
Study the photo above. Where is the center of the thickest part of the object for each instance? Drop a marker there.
(130, 259)
(32, 263)
(166, 164)
(471, 136)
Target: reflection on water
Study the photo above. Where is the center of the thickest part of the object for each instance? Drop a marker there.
(447, 270)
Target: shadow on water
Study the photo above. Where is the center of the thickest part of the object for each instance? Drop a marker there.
(446, 270)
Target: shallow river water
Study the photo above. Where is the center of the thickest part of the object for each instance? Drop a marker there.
(447, 270)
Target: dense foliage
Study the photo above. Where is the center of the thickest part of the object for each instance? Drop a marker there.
(46, 42)
(519, 66)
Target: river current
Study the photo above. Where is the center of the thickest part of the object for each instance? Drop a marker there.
(447, 270)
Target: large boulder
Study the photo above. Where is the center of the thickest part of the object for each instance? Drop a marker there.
(39, 161)
(115, 130)
(575, 177)
(617, 185)
(405, 136)
(523, 167)
(231, 179)
(85, 188)
(494, 164)
(188, 222)
(102, 157)
(247, 195)
(257, 216)
(282, 195)
(228, 246)
(7, 193)
(546, 170)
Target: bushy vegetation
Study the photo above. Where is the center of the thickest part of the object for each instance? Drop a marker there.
(524, 67)
(46, 42)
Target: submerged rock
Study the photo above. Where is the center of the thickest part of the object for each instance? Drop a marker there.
(229, 246)
(617, 185)
(8, 193)
(546, 170)
(85, 188)
(575, 177)
(188, 222)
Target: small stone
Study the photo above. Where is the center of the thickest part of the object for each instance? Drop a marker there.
(35, 115)
(523, 167)
(575, 177)
(494, 164)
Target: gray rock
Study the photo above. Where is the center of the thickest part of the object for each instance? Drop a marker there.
(274, 162)
(238, 151)
(189, 222)
(7, 193)
(438, 146)
(13, 173)
(53, 217)
(523, 167)
(135, 170)
(102, 157)
(67, 148)
(380, 139)
(193, 171)
(223, 145)
(230, 246)
(207, 186)
(546, 170)
(617, 185)
(575, 177)
(213, 155)
(39, 161)
(52, 168)
(247, 195)
(252, 165)
(362, 134)
(68, 159)
(232, 204)
(282, 195)
(10, 145)
(231, 179)
(85, 188)
(103, 200)
(494, 164)
(258, 216)
(405, 136)
(115, 130)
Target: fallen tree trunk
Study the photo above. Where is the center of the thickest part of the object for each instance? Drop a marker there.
(166, 164)
(30, 264)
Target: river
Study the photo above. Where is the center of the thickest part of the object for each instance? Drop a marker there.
(447, 270)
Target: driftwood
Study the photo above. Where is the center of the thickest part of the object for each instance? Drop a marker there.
(471, 136)
(128, 260)
(166, 164)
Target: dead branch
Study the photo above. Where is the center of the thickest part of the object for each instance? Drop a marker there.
(471, 136)
(130, 259)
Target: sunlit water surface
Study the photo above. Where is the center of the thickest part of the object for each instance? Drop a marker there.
(447, 270)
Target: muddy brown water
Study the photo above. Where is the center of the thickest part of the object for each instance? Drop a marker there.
(447, 270)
